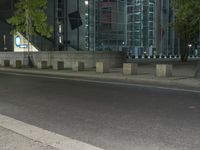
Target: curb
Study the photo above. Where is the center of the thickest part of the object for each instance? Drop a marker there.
(43, 136)
(172, 81)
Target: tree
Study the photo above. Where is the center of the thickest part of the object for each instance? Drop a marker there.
(186, 24)
(30, 19)
(187, 19)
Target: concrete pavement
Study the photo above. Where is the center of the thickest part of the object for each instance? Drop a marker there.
(9, 140)
(17, 135)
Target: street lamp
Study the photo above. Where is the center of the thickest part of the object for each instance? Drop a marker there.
(199, 39)
(190, 45)
(86, 2)
(4, 42)
(199, 32)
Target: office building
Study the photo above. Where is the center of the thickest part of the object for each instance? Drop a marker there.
(142, 27)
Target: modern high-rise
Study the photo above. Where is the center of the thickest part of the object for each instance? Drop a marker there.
(62, 16)
(166, 40)
(150, 31)
(142, 27)
(110, 24)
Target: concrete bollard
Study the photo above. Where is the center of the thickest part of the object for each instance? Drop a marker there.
(130, 68)
(6, 63)
(164, 70)
(42, 64)
(197, 71)
(59, 65)
(1, 63)
(78, 66)
(102, 67)
(17, 64)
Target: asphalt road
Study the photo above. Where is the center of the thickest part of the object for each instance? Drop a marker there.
(113, 117)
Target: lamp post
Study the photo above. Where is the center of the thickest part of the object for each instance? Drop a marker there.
(199, 32)
(4, 42)
(198, 45)
(190, 45)
(199, 35)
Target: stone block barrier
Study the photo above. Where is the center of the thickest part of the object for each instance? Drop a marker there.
(130, 68)
(197, 70)
(6, 63)
(42, 64)
(78, 66)
(17, 64)
(164, 70)
(58, 65)
(102, 67)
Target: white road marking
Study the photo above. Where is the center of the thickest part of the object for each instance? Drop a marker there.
(107, 82)
(43, 136)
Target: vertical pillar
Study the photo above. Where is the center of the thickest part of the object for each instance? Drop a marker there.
(78, 31)
(158, 26)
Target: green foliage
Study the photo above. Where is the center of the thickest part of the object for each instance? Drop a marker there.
(186, 24)
(187, 18)
(30, 18)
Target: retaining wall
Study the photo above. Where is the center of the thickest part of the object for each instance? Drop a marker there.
(115, 59)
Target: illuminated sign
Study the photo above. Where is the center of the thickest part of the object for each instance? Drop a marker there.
(18, 42)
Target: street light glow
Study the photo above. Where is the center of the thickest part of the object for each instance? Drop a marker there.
(86, 2)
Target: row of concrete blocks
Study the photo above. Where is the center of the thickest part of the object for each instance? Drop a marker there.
(77, 66)
(15, 64)
(162, 70)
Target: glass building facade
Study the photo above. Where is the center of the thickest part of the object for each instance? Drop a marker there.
(6, 40)
(166, 41)
(141, 27)
(110, 24)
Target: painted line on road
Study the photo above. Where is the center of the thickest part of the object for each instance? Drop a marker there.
(43, 136)
(107, 82)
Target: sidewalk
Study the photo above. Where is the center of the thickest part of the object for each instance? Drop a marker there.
(10, 140)
(183, 75)
(18, 135)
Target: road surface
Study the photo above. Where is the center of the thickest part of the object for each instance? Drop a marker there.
(109, 116)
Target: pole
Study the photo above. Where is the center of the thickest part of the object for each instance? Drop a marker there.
(4, 41)
(126, 23)
(94, 28)
(28, 32)
(158, 27)
(78, 31)
(198, 64)
(199, 32)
